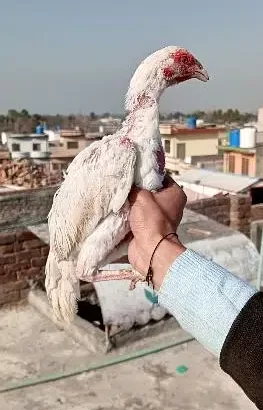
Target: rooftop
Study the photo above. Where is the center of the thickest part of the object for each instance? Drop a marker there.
(237, 149)
(173, 130)
(219, 180)
(33, 135)
(150, 382)
(72, 133)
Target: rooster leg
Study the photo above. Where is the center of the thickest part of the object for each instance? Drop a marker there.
(108, 342)
(100, 243)
(119, 252)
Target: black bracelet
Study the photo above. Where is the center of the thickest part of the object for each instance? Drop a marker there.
(149, 276)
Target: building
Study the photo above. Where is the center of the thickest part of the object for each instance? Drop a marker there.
(243, 155)
(240, 161)
(211, 183)
(4, 153)
(69, 144)
(32, 146)
(104, 126)
(259, 144)
(190, 145)
(240, 153)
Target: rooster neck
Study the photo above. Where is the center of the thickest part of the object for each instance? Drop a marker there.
(142, 124)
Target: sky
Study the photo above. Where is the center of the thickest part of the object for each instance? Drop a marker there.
(61, 56)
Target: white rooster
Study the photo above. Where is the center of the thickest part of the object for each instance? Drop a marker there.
(89, 215)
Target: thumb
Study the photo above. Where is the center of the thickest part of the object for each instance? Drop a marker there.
(140, 196)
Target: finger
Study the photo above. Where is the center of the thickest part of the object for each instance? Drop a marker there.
(139, 195)
(173, 194)
(132, 197)
(168, 181)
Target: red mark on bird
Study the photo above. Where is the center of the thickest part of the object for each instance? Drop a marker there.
(183, 57)
(126, 142)
(168, 72)
(160, 160)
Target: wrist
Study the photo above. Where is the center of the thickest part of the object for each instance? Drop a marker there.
(166, 253)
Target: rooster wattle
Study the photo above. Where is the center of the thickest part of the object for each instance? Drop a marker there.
(89, 215)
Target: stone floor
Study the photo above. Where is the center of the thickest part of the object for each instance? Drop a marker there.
(31, 346)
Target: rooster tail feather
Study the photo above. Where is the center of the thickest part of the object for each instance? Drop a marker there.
(62, 288)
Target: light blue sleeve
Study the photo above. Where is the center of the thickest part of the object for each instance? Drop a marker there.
(204, 297)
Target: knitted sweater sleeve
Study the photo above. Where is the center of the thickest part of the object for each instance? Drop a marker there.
(204, 297)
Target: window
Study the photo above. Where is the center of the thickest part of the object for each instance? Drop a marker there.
(181, 151)
(72, 144)
(245, 166)
(167, 146)
(36, 147)
(231, 165)
(15, 147)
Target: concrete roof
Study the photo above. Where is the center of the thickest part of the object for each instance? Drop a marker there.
(33, 135)
(151, 382)
(219, 180)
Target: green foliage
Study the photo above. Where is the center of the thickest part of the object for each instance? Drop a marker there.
(23, 122)
(24, 114)
(93, 116)
(13, 114)
(217, 116)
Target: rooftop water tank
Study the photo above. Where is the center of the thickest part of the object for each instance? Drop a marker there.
(200, 123)
(234, 138)
(191, 122)
(39, 129)
(248, 137)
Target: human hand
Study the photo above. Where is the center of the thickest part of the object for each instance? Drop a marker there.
(152, 216)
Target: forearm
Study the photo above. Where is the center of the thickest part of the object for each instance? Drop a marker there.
(220, 310)
(204, 297)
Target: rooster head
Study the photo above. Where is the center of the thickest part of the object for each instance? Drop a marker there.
(166, 67)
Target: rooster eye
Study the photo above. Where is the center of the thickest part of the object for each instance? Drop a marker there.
(199, 65)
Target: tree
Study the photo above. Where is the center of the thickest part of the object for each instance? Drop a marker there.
(93, 116)
(24, 113)
(37, 117)
(13, 114)
(106, 115)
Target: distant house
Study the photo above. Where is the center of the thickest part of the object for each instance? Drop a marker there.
(240, 161)
(243, 155)
(34, 146)
(69, 144)
(190, 145)
(4, 153)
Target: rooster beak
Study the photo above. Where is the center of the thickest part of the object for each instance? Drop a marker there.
(202, 75)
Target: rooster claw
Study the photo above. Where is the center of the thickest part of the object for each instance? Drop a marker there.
(134, 283)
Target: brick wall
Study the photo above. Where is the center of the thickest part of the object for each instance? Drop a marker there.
(22, 258)
(216, 208)
(240, 213)
(257, 212)
(25, 207)
(233, 211)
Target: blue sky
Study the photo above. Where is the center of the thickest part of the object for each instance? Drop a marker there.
(78, 56)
